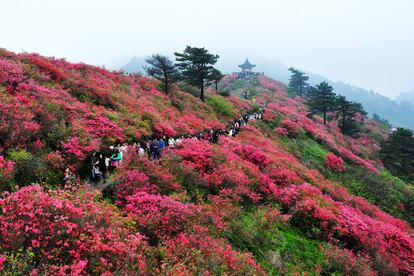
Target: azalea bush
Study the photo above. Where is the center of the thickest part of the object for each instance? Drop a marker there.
(65, 232)
(201, 254)
(334, 162)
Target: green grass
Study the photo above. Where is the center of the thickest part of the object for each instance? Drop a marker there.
(291, 251)
(221, 106)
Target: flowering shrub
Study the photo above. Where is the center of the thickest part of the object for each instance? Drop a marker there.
(292, 127)
(163, 129)
(132, 182)
(196, 154)
(2, 260)
(11, 73)
(282, 131)
(159, 216)
(358, 160)
(334, 163)
(64, 231)
(189, 254)
(254, 155)
(345, 262)
(78, 148)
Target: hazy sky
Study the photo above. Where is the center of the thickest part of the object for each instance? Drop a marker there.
(369, 43)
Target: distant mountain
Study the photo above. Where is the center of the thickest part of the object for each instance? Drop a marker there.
(406, 97)
(134, 65)
(398, 113)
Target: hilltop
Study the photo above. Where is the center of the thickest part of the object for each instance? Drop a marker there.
(397, 112)
(287, 194)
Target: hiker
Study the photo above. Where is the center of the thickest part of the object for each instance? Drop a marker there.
(161, 146)
(95, 173)
(155, 149)
(102, 166)
(171, 142)
(115, 158)
(141, 151)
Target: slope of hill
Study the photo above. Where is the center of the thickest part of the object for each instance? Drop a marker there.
(399, 114)
(286, 195)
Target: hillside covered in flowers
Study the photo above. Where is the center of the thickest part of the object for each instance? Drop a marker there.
(287, 195)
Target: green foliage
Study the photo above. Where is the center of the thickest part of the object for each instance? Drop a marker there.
(221, 106)
(28, 167)
(347, 112)
(397, 153)
(321, 99)
(298, 82)
(278, 248)
(389, 193)
(162, 69)
(196, 65)
(190, 89)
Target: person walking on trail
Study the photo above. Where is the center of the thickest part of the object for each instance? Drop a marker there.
(171, 142)
(149, 149)
(115, 159)
(161, 146)
(102, 166)
(95, 174)
(156, 149)
(141, 151)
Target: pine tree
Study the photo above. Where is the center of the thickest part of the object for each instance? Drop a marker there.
(216, 76)
(347, 112)
(298, 82)
(196, 65)
(321, 99)
(162, 69)
(397, 152)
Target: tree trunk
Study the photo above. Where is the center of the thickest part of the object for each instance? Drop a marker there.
(216, 83)
(202, 91)
(166, 82)
(324, 117)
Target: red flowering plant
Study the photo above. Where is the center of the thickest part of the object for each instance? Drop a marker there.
(198, 253)
(139, 174)
(292, 127)
(160, 217)
(334, 163)
(63, 232)
(78, 148)
(11, 73)
(346, 153)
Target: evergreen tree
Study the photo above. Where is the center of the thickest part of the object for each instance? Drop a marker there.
(298, 82)
(321, 99)
(162, 69)
(347, 112)
(216, 76)
(397, 152)
(196, 65)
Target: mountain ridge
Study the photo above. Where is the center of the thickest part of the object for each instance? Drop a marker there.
(396, 112)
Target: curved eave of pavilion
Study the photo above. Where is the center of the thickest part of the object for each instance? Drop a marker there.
(247, 65)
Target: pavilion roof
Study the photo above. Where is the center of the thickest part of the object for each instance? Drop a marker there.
(247, 65)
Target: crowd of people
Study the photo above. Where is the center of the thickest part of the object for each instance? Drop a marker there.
(104, 162)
